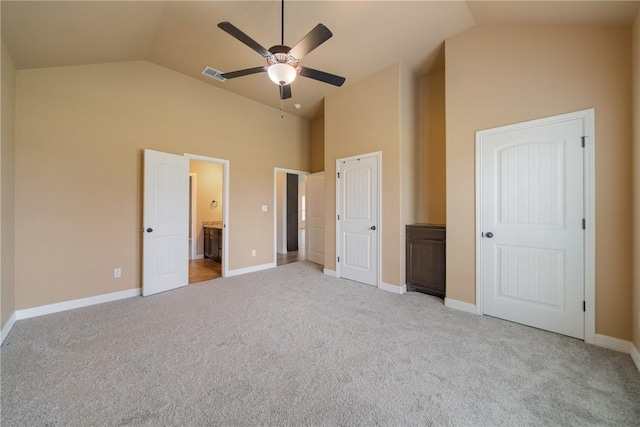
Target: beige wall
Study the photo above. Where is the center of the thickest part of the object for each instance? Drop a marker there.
(80, 135)
(364, 117)
(635, 315)
(497, 76)
(432, 197)
(316, 138)
(7, 189)
(209, 188)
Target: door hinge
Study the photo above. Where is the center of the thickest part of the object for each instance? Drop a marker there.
(583, 141)
(584, 224)
(584, 306)
(338, 217)
(338, 175)
(338, 259)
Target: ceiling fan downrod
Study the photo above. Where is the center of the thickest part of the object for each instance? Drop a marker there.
(282, 24)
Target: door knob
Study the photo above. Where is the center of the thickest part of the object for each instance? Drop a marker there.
(488, 235)
(373, 227)
(149, 230)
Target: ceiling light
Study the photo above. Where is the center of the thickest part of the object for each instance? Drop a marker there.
(282, 74)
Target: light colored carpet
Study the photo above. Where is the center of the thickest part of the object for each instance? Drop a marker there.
(291, 346)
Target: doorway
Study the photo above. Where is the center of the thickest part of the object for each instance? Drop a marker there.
(533, 204)
(166, 207)
(209, 212)
(205, 220)
(289, 216)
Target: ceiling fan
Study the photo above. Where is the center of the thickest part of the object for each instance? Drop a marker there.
(282, 61)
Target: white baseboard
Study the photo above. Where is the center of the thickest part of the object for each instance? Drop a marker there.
(199, 256)
(635, 356)
(613, 343)
(460, 305)
(393, 288)
(7, 327)
(251, 269)
(76, 303)
(331, 273)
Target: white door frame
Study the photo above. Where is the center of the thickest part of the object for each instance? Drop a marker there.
(275, 204)
(225, 204)
(193, 194)
(588, 117)
(378, 155)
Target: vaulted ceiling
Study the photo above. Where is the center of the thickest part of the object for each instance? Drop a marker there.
(184, 36)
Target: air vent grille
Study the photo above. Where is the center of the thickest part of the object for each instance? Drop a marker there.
(213, 73)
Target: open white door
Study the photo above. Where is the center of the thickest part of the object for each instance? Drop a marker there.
(358, 222)
(165, 226)
(315, 217)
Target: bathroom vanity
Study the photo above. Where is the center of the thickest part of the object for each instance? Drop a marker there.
(213, 242)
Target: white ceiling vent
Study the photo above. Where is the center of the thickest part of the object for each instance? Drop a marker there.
(213, 73)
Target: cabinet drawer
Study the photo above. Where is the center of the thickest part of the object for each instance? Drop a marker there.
(426, 233)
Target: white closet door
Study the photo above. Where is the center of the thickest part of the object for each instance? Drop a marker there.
(532, 212)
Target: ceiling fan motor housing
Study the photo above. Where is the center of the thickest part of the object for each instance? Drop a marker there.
(281, 55)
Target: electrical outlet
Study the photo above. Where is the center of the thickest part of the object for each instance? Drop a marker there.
(253, 252)
(264, 208)
(117, 272)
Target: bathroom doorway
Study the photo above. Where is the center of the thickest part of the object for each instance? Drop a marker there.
(207, 218)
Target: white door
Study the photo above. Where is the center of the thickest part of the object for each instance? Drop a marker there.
(165, 231)
(315, 217)
(358, 219)
(532, 210)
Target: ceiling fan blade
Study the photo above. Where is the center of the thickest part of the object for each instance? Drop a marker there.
(315, 38)
(285, 92)
(234, 31)
(245, 72)
(332, 79)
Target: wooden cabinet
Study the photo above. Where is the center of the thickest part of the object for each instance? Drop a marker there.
(213, 243)
(426, 259)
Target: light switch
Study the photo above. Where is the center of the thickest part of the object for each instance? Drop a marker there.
(264, 208)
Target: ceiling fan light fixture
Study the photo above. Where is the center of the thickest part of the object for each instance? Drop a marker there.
(281, 73)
